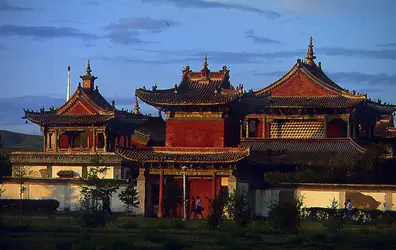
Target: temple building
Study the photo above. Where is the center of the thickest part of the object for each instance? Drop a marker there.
(217, 135)
(310, 119)
(202, 134)
(86, 127)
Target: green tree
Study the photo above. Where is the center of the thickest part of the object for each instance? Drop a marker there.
(130, 197)
(21, 173)
(239, 206)
(216, 210)
(96, 193)
(173, 195)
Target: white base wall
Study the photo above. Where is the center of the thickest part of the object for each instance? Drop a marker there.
(68, 194)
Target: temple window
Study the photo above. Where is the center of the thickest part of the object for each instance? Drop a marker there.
(80, 140)
(100, 142)
(297, 129)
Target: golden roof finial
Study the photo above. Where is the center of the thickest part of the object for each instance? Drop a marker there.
(136, 108)
(88, 70)
(310, 54)
(205, 62)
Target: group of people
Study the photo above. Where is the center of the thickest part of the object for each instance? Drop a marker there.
(196, 208)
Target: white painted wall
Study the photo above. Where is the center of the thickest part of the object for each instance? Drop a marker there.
(67, 194)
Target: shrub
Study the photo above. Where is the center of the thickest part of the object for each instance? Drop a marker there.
(14, 205)
(216, 210)
(239, 207)
(285, 215)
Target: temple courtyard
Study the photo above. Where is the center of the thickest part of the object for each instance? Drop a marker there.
(62, 232)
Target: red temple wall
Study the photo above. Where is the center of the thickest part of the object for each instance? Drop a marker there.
(299, 85)
(197, 187)
(334, 129)
(90, 140)
(195, 133)
(267, 130)
(259, 129)
(63, 141)
(79, 108)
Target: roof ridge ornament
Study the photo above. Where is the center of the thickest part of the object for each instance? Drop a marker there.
(310, 53)
(136, 108)
(205, 72)
(88, 69)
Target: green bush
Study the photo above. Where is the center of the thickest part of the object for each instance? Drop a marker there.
(44, 206)
(239, 207)
(285, 215)
(216, 210)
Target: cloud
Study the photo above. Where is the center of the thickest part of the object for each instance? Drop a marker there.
(238, 58)
(44, 32)
(351, 77)
(357, 77)
(387, 45)
(218, 5)
(346, 52)
(128, 30)
(262, 40)
(6, 7)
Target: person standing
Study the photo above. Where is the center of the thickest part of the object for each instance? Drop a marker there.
(192, 208)
(198, 208)
(349, 209)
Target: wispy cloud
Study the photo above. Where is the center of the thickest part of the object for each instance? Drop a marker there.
(351, 77)
(219, 5)
(387, 45)
(44, 32)
(377, 54)
(239, 58)
(7, 7)
(128, 30)
(249, 34)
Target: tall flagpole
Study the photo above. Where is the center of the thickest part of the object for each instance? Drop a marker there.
(68, 84)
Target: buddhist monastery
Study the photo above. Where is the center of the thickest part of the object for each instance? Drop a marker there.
(216, 134)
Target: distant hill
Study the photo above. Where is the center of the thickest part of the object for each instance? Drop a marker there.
(17, 141)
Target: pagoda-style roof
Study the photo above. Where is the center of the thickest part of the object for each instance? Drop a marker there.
(202, 88)
(86, 106)
(305, 85)
(302, 151)
(184, 155)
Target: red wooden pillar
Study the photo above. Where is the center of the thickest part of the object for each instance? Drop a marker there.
(214, 185)
(161, 188)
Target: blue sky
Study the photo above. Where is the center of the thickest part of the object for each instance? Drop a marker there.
(135, 43)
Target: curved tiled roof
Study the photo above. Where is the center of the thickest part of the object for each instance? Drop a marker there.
(315, 74)
(314, 101)
(184, 155)
(196, 88)
(54, 119)
(302, 151)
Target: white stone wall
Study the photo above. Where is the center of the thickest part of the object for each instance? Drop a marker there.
(323, 198)
(67, 194)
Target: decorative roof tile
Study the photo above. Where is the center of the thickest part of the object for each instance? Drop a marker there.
(54, 119)
(184, 155)
(301, 151)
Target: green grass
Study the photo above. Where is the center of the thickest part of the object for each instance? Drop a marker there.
(62, 232)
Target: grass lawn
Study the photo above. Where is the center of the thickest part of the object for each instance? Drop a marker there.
(62, 232)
